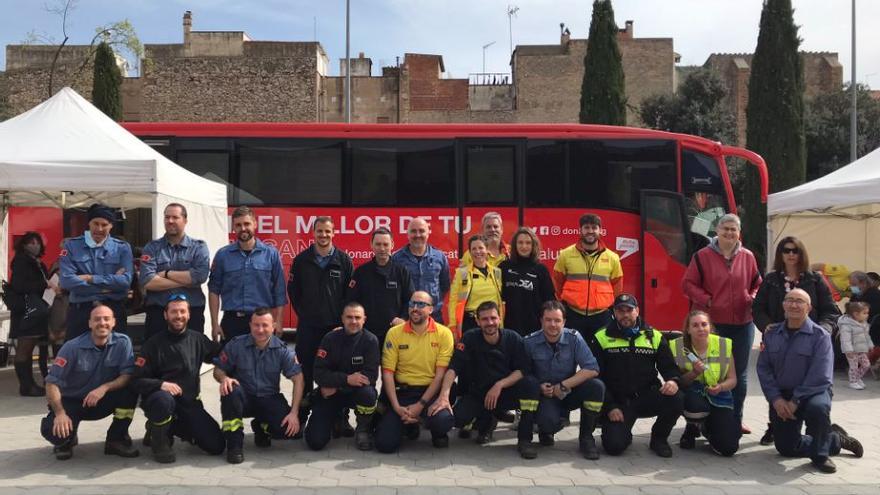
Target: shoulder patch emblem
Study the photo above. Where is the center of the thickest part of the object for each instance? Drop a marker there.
(60, 362)
(224, 358)
(140, 362)
(145, 258)
(352, 284)
(460, 346)
(63, 253)
(321, 353)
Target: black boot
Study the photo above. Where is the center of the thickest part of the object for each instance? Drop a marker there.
(689, 437)
(120, 447)
(586, 441)
(234, 446)
(767, 439)
(64, 451)
(160, 442)
(261, 435)
(363, 437)
(26, 385)
(847, 442)
(342, 428)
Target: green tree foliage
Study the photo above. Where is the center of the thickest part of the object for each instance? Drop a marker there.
(107, 83)
(828, 129)
(775, 114)
(696, 109)
(603, 95)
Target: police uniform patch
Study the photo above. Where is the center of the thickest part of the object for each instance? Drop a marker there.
(140, 362)
(145, 258)
(60, 362)
(321, 353)
(460, 346)
(357, 360)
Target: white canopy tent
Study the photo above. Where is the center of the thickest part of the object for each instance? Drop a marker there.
(837, 216)
(67, 153)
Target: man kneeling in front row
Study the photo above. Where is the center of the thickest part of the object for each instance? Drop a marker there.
(88, 382)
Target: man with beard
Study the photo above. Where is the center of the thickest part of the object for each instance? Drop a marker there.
(245, 275)
(248, 370)
(630, 354)
(95, 267)
(174, 263)
(167, 378)
(319, 277)
(493, 229)
(588, 276)
(428, 266)
(495, 363)
(415, 357)
(88, 382)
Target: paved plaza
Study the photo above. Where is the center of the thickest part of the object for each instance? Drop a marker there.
(27, 464)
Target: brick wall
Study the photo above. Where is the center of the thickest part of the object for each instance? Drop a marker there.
(426, 90)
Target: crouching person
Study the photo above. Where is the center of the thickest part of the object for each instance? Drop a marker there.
(494, 363)
(88, 382)
(346, 368)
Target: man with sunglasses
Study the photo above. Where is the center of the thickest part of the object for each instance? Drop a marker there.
(414, 360)
(173, 263)
(795, 369)
(167, 377)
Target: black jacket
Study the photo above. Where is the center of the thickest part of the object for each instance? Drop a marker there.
(384, 291)
(628, 371)
(480, 365)
(767, 306)
(525, 287)
(341, 354)
(175, 358)
(28, 277)
(318, 294)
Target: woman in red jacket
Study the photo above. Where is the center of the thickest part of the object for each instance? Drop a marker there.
(722, 280)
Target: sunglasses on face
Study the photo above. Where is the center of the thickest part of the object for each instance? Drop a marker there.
(791, 250)
(419, 304)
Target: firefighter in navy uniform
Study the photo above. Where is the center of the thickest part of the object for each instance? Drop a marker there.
(346, 369)
(167, 378)
(247, 370)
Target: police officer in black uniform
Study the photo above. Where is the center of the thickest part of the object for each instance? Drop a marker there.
(493, 361)
(167, 377)
(346, 368)
(382, 286)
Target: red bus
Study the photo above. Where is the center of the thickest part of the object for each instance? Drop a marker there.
(659, 194)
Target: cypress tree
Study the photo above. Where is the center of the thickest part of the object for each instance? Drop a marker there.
(775, 114)
(106, 94)
(603, 95)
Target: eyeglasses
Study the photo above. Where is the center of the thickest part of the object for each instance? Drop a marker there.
(795, 302)
(419, 304)
(179, 296)
(791, 250)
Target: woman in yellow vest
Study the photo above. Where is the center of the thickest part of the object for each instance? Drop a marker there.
(473, 285)
(708, 376)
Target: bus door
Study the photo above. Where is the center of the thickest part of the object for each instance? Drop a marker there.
(666, 253)
(489, 181)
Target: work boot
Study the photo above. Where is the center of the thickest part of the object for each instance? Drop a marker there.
(847, 442)
(485, 436)
(26, 385)
(767, 439)
(64, 451)
(826, 465)
(661, 447)
(586, 442)
(261, 436)
(546, 439)
(363, 437)
(120, 447)
(235, 446)
(440, 442)
(412, 431)
(160, 443)
(526, 449)
(342, 428)
(689, 437)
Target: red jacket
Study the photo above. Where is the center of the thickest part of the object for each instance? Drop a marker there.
(724, 289)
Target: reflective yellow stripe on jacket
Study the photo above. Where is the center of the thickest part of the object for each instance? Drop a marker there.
(588, 286)
(718, 357)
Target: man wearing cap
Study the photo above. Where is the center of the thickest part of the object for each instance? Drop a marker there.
(88, 382)
(174, 263)
(166, 375)
(245, 275)
(248, 370)
(630, 355)
(587, 276)
(95, 267)
(566, 371)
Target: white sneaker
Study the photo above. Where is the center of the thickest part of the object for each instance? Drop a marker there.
(861, 383)
(856, 386)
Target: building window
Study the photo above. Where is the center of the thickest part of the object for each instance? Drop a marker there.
(490, 174)
(403, 172)
(290, 172)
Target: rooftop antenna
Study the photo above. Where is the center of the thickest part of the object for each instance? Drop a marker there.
(511, 13)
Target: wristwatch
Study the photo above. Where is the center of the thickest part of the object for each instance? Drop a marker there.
(563, 391)
(423, 402)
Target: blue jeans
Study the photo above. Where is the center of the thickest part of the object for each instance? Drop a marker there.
(742, 336)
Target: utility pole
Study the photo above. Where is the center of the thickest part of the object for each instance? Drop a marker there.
(487, 45)
(347, 61)
(511, 13)
(853, 87)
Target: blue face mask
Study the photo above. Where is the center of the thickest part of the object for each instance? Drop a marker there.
(856, 290)
(89, 241)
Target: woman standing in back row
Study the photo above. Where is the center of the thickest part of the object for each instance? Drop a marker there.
(526, 283)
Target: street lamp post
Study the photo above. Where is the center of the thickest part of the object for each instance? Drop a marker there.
(347, 61)
(853, 87)
(487, 45)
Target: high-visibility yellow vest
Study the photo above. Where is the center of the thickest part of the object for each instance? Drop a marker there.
(588, 287)
(641, 341)
(718, 357)
(460, 292)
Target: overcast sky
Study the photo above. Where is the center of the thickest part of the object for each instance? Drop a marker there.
(458, 29)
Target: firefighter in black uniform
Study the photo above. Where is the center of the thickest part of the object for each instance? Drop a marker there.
(346, 368)
(167, 377)
(494, 362)
(382, 286)
(318, 279)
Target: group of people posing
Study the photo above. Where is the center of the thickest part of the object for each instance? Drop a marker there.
(513, 338)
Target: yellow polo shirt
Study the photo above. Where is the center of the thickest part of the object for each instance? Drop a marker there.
(414, 358)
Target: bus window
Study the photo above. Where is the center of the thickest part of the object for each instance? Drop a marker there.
(611, 173)
(490, 174)
(291, 172)
(406, 172)
(703, 191)
(212, 165)
(545, 173)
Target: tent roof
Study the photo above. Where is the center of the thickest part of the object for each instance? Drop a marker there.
(854, 184)
(66, 144)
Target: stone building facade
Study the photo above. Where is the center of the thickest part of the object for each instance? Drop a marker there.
(25, 83)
